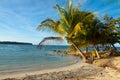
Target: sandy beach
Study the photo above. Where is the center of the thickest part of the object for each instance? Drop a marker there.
(59, 40)
(78, 71)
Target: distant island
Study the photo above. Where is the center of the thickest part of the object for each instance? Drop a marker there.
(14, 43)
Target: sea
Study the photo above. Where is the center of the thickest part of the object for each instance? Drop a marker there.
(23, 58)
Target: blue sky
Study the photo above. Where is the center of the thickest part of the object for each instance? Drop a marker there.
(19, 18)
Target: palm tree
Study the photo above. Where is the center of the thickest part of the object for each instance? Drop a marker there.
(79, 23)
(111, 30)
(68, 25)
(107, 32)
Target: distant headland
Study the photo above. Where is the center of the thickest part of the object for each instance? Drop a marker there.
(14, 43)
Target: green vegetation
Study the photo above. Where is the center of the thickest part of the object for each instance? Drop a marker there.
(15, 43)
(82, 29)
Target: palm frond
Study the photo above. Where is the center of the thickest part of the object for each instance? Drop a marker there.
(62, 13)
(49, 38)
(76, 29)
(56, 26)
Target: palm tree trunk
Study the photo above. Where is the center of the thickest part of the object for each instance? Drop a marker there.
(86, 49)
(98, 55)
(113, 46)
(103, 49)
(97, 47)
(80, 52)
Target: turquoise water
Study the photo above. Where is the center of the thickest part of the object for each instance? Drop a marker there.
(20, 58)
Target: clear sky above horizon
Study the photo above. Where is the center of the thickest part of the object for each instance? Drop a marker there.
(20, 18)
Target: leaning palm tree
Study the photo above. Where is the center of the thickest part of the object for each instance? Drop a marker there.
(68, 24)
(74, 25)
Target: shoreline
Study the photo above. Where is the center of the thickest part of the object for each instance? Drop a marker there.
(66, 67)
(77, 71)
(38, 67)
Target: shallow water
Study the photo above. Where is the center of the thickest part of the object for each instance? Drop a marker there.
(20, 58)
